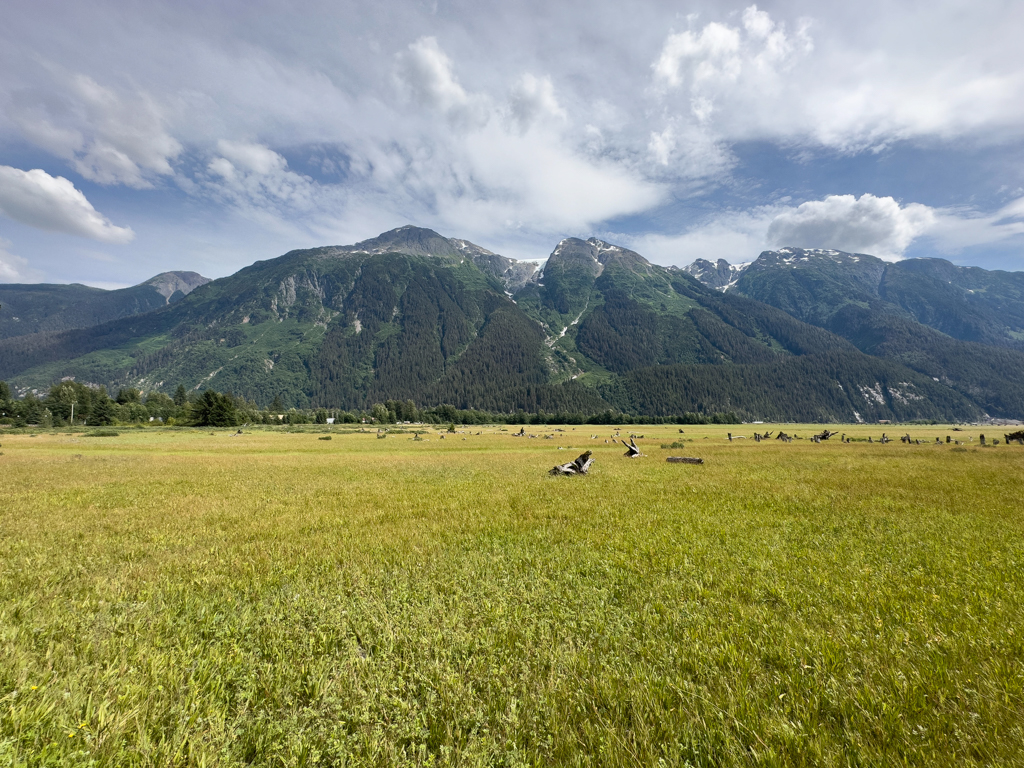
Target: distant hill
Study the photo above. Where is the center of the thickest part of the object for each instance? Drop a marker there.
(34, 308)
(414, 315)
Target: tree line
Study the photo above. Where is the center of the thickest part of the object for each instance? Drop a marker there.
(70, 403)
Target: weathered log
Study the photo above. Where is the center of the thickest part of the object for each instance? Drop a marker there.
(825, 435)
(632, 452)
(684, 460)
(578, 466)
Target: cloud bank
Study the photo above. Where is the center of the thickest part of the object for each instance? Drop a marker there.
(513, 124)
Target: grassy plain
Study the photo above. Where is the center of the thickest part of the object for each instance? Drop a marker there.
(173, 598)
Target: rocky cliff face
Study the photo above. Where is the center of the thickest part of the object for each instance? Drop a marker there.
(720, 275)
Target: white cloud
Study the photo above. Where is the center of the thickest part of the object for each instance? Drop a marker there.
(52, 203)
(722, 62)
(536, 182)
(712, 54)
(875, 225)
(425, 73)
(254, 158)
(256, 179)
(108, 139)
(959, 228)
(533, 99)
(15, 269)
(736, 236)
(689, 152)
(853, 89)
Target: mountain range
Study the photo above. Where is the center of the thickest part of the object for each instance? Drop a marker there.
(412, 315)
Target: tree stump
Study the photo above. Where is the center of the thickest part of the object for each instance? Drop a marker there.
(578, 466)
(632, 452)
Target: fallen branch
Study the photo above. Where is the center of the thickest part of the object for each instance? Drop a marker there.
(684, 460)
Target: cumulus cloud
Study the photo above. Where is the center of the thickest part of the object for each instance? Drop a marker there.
(15, 269)
(426, 74)
(107, 138)
(868, 224)
(720, 60)
(52, 203)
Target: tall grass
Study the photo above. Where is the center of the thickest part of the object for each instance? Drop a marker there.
(182, 598)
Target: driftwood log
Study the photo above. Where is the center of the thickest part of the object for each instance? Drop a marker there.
(632, 452)
(578, 466)
(684, 460)
(1018, 436)
(825, 435)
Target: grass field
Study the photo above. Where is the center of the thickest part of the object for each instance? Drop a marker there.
(183, 598)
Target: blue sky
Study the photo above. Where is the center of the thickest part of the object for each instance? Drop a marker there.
(141, 137)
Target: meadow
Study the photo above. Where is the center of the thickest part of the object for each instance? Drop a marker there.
(196, 598)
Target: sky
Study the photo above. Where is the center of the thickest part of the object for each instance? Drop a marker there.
(137, 138)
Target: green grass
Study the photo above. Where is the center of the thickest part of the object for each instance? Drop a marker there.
(181, 598)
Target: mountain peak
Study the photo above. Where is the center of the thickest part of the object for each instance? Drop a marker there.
(419, 241)
(169, 283)
(411, 240)
(595, 252)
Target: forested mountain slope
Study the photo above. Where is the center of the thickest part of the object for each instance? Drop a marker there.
(959, 325)
(967, 303)
(35, 308)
